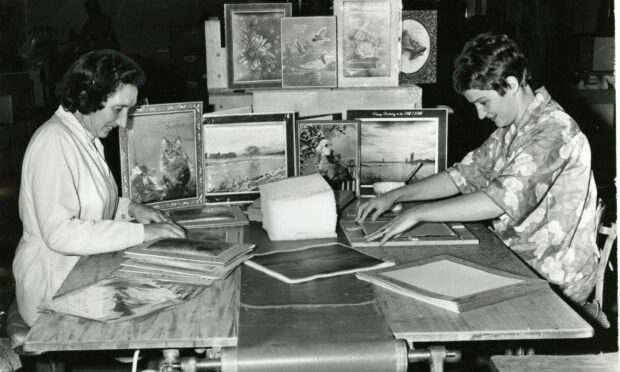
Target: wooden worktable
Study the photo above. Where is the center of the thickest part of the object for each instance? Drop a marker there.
(212, 318)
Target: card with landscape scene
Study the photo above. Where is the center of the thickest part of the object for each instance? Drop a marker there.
(159, 151)
(244, 151)
(396, 143)
(253, 43)
(309, 52)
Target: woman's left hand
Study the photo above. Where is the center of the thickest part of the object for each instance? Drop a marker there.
(147, 214)
(396, 227)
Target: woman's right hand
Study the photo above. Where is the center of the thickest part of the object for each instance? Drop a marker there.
(163, 230)
(379, 205)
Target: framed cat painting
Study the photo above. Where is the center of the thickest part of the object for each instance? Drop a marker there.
(160, 161)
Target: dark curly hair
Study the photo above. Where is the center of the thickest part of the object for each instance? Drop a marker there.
(93, 77)
(486, 61)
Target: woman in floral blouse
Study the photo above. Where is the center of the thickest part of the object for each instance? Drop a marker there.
(532, 176)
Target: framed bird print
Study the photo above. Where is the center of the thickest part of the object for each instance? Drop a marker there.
(244, 151)
(400, 145)
(309, 52)
(161, 155)
(368, 47)
(253, 43)
(418, 61)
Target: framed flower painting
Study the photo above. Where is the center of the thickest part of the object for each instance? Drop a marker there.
(368, 39)
(253, 43)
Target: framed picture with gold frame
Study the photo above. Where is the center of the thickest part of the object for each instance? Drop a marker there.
(161, 155)
(368, 42)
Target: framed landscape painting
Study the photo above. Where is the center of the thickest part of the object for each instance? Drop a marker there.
(330, 148)
(418, 61)
(244, 151)
(309, 52)
(253, 43)
(161, 148)
(398, 143)
(368, 34)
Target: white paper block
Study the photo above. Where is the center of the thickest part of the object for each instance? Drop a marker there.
(299, 208)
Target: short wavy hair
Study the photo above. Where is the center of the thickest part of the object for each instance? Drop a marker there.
(93, 77)
(486, 61)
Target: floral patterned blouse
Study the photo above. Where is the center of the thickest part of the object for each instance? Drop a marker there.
(538, 171)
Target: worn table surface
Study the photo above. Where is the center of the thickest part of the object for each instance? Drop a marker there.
(212, 318)
(607, 362)
(539, 315)
(209, 319)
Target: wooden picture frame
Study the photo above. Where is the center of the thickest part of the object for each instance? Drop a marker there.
(309, 52)
(244, 151)
(452, 283)
(418, 61)
(368, 46)
(330, 148)
(395, 143)
(253, 44)
(161, 155)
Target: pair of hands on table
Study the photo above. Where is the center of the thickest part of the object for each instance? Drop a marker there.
(379, 205)
(156, 223)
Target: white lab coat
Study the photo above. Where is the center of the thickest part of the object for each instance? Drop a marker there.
(69, 206)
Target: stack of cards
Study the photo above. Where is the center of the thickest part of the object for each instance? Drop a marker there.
(184, 260)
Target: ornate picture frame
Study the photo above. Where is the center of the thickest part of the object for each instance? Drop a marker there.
(368, 46)
(244, 151)
(396, 143)
(160, 155)
(253, 44)
(418, 62)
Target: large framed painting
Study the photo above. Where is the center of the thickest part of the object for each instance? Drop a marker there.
(418, 61)
(330, 148)
(161, 155)
(244, 151)
(253, 44)
(309, 52)
(368, 34)
(400, 145)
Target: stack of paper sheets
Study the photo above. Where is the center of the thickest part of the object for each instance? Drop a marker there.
(184, 261)
(299, 208)
(452, 283)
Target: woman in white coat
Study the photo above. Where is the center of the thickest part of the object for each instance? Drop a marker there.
(68, 202)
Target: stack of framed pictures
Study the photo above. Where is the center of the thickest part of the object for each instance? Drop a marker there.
(365, 43)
